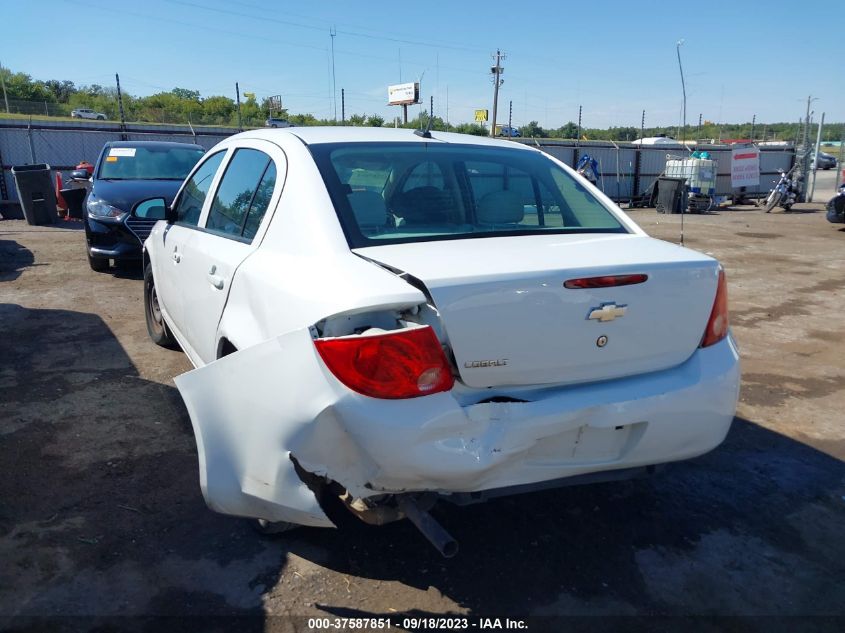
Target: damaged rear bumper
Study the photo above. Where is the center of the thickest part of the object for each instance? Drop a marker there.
(255, 409)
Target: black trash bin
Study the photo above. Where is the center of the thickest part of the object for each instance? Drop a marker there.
(36, 192)
(670, 195)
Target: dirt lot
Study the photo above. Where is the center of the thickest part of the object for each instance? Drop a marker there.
(101, 512)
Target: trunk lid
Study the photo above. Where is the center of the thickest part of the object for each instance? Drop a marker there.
(510, 321)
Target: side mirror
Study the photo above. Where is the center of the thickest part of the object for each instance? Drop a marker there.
(152, 209)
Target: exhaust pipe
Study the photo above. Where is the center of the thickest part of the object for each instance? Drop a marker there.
(430, 528)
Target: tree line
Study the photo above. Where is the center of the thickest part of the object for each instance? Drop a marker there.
(182, 105)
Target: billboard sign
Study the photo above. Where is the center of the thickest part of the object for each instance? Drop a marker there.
(275, 102)
(745, 165)
(403, 94)
(480, 116)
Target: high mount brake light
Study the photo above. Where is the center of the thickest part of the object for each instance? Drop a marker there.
(606, 281)
(717, 325)
(400, 364)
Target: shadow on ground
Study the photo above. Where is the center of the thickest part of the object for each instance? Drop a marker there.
(101, 513)
(13, 259)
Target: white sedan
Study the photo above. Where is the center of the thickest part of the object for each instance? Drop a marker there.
(384, 319)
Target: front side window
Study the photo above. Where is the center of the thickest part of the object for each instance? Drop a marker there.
(243, 196)
(387, 193)
(189, 205)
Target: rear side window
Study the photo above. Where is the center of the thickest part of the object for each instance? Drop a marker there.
(243, 195)
(189, 205)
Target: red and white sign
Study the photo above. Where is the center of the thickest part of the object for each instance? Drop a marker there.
(745, 166)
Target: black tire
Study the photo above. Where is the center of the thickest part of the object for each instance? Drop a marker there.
(772, 200)
(269, 528)
(101, 118)
(98, 264)
(156, 326)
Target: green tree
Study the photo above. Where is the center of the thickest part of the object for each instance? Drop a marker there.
(218, 109)
(533, 129)
(374, 120)
(184, 93)
(570, 130)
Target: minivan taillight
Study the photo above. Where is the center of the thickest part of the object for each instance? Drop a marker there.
(717, 325)
(399, 364)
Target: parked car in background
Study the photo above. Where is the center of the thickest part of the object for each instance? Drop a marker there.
(507, 130)
(390, 318)
(87, 113)
(825, 160)
(271, 122)
(126, 172)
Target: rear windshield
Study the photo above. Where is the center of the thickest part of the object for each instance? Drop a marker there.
(148, 163)
(388, 193)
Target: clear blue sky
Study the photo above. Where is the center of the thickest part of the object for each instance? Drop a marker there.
(614, 57)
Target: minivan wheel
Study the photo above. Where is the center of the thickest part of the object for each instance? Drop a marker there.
(156, 327)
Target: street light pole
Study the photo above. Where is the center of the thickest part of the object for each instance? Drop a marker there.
(684, 89)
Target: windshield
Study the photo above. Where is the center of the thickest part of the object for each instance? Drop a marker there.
(148, 163)
(388, 193)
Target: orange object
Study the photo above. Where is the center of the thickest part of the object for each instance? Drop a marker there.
(60, 201)
(86, 166)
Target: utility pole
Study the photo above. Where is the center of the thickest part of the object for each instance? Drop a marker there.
(698, 134)
(815, 162)
(497, 71)
(343, 105)
(238, 101)
(642, 129)
(753, 121)
(332, 33)
(431, 108)
(684, 89)
(120, 109)
(3, 83)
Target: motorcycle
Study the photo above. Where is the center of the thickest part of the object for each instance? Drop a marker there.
(785, 193)
(836, 207)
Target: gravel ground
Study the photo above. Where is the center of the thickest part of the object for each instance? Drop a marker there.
(101, 514)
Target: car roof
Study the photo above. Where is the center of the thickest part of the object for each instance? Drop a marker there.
(156, 144)
(348, 134)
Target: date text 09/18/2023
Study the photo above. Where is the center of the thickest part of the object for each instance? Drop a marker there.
(416, 624)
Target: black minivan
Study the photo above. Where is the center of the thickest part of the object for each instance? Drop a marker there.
(126, 173)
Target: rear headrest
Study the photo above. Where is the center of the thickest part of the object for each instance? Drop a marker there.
(500, 207)
(368, 207)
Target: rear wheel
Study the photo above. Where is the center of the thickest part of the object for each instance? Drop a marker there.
(156, 327)
(772, 201)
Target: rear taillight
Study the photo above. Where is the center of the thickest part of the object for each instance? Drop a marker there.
(717, 325)
(400, 364)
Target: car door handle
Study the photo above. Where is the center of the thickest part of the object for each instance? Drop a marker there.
(177, 257)
(215, 280)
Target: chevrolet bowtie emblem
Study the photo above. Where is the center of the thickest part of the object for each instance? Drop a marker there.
(607, 312)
